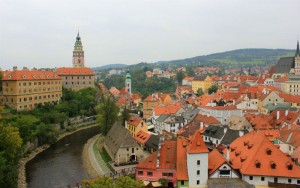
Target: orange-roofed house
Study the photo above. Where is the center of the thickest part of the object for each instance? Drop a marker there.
(148, 104)
(160, 164)
(197, 161)
(182, 92)
(25, 89)
(114, 91)
(142, 137)
(219, 167)
(203, 82)
(187, 81)
(76, 78)
(181, 163)
(149, 74)
(136, 124)
(261, 163)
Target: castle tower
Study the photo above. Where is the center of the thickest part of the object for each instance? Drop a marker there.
(297, 60)
(128, 82)
(78, 53)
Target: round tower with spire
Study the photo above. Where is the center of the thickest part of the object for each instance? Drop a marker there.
(78, 53)
(128, 82)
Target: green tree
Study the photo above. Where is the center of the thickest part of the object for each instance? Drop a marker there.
(199, 92)
(0, 81)
(11, 142)
(124, 115)
(128, 182)
(212, 89)
(179, 76)
(107, 115)
(102, 182)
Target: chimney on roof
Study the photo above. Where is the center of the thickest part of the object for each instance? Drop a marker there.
(225, 130)
(201, 125)
(286, 113)
(241, 133)
(277, 115)
(228, 153)
(233, 101)
(15, 68)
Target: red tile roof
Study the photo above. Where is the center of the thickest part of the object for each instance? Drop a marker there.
(254, 154)
(290, 137)
(151, 98)
(114, 91)
(215, 160)
(30, 75)
(142, 137)
(74, 71)
(197, 144)
(169, 109)
(181, 163)
(135, 121)
(167, 157)
(258, 122)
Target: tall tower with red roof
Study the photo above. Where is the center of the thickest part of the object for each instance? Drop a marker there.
(78, 53)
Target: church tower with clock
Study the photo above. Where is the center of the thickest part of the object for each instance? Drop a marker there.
(78, 53)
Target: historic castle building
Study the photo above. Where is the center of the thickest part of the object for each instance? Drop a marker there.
(25, 89)
(78, 76)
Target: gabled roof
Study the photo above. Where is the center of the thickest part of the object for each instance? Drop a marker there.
(151, 98)
(197, 144)
(119, 137)
(181, 163)
(76, 71)
(254, 154)
(114, 91)
(30, 75)
(215, 160)
(231, 135)
(284, 65)
(214, 131)
(167, 158)
(290, 137)
(142, 137)
(152, 142)
(135, 121)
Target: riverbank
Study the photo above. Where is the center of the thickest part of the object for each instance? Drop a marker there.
(92, 160)
(23, 161)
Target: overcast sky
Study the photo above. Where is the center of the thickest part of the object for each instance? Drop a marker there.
(41, 33)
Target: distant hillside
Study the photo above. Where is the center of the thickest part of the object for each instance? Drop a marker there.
(255, 56)
(234, 57)
(112, 66)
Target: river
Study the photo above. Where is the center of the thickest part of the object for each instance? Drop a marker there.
(61, 164)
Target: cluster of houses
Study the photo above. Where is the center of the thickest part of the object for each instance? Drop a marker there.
(247, 133)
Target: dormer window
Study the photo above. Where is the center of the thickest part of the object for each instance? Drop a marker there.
(246, 143)
(48, 76)
(257, 164)
(289, 166)
(250, 145)
(268, 151)
(41, 76)
(23, 76)
(273, 164)
(9, 76)
(34, 76)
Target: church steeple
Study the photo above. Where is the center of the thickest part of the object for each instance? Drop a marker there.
(78, 53)
(128, 82)
(297, 51)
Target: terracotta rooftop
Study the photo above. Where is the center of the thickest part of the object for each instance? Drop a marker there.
(30, 75)
(197, 144)
(75, 71)
(254, 154)
(181, 164)
(142, 137)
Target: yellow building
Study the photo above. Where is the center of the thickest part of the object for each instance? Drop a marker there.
(25, 89)
(203, 82)
(135, 124)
